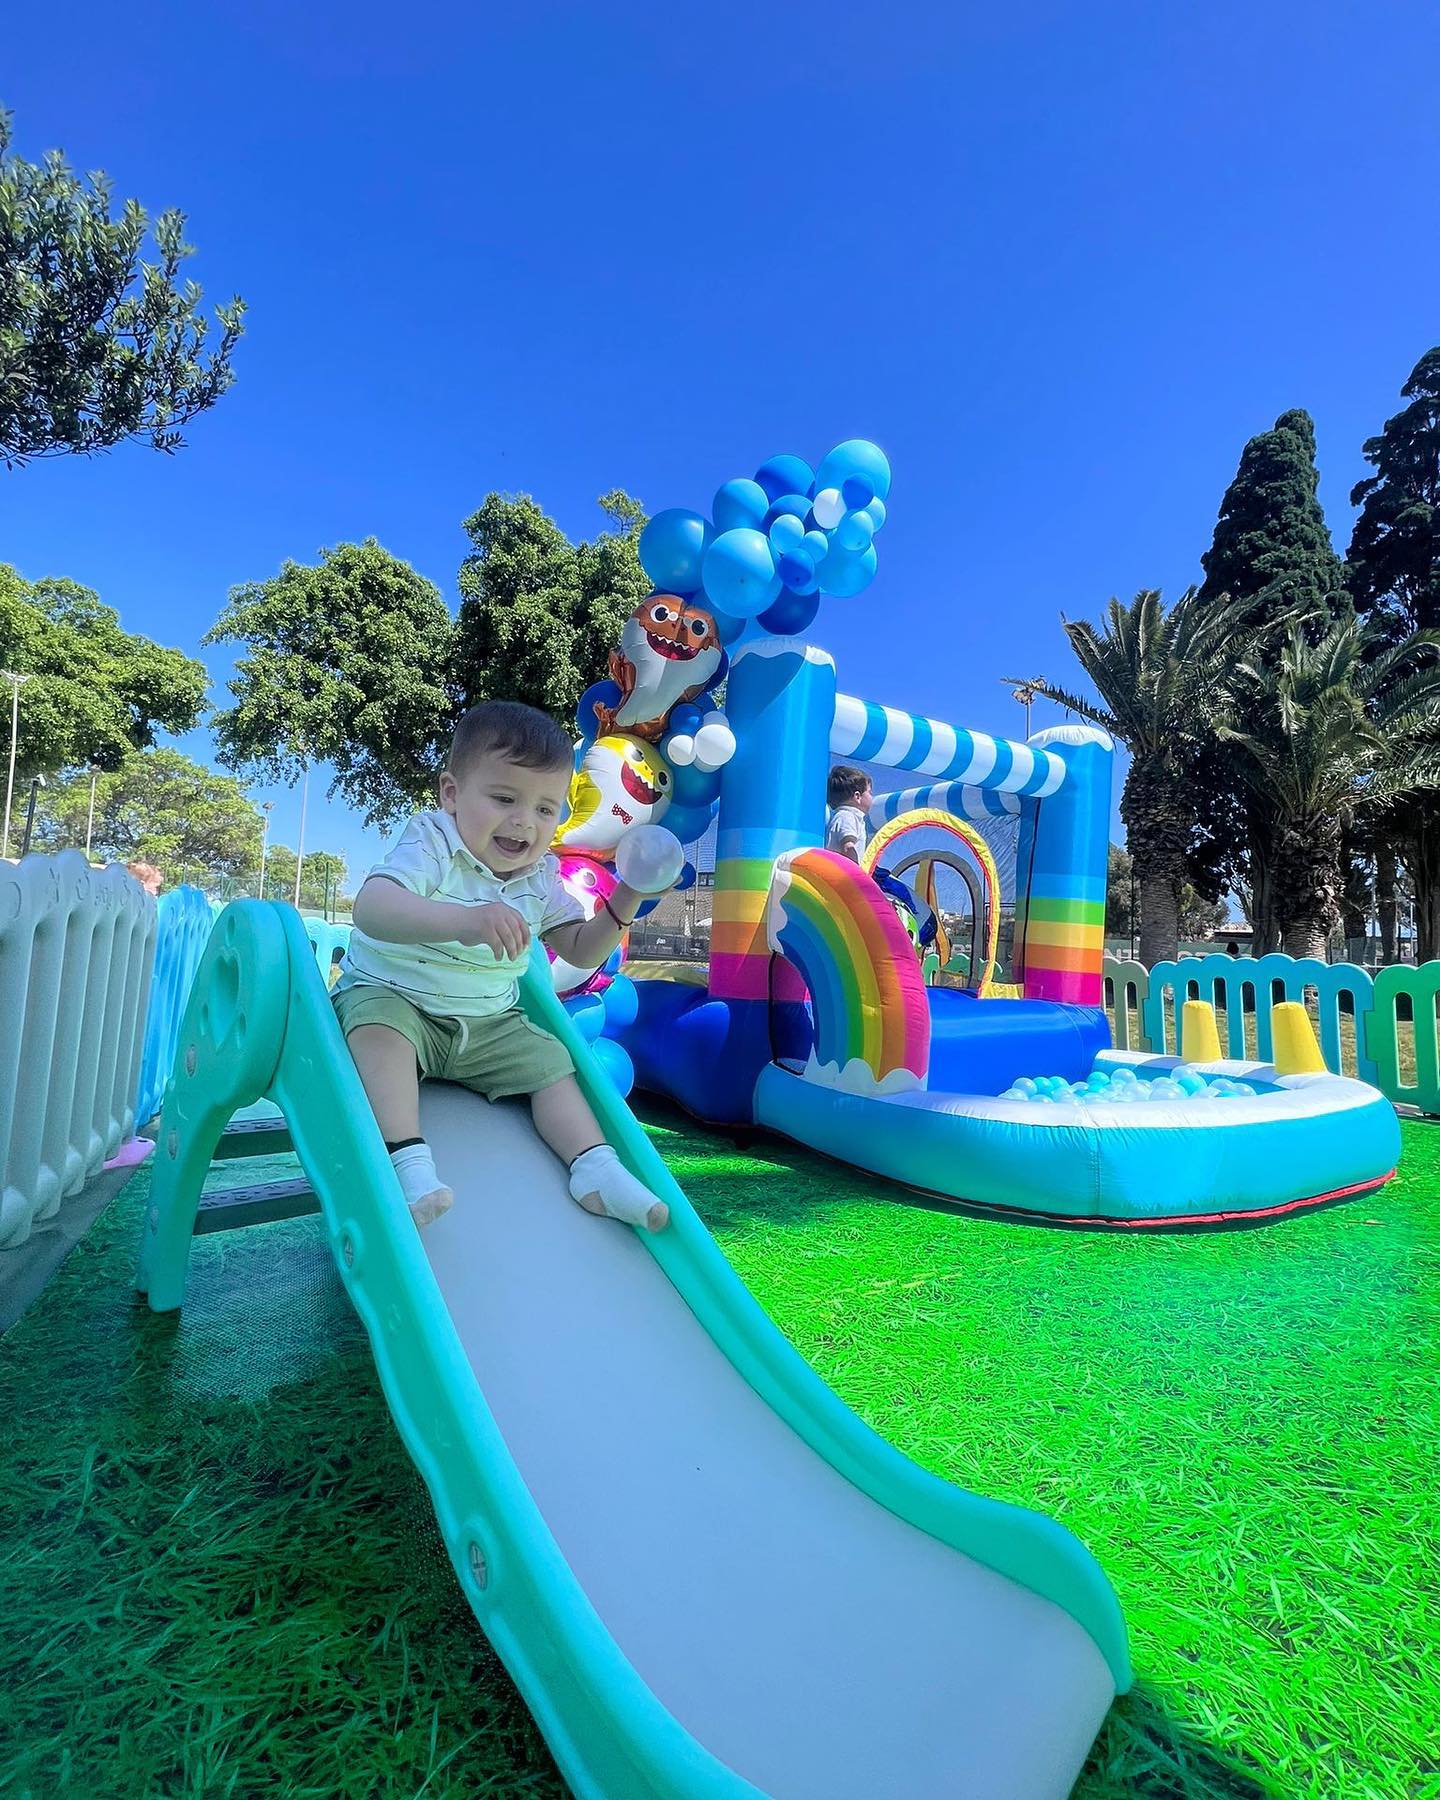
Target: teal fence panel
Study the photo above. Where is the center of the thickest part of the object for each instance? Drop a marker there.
(185, 921)
(1126, 986)
(76, 950)
(1242, 986)
(325, 940)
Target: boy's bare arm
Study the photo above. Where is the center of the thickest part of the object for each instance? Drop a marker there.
(587, 943)
(386, 910)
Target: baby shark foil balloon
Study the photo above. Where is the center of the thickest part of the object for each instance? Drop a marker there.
(669, 652)
(621, 782)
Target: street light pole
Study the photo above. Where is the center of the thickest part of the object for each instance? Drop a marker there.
(90, 821)
(300, 847)
(1025, 692)
(36, 783)
(264, 842)
(16, 683)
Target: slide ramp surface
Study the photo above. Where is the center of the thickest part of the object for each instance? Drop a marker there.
(705, 1574)
(812, 1641)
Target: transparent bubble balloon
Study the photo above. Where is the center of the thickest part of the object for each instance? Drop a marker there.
(649, 859)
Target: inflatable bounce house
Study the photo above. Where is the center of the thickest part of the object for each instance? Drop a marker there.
(817, 1021)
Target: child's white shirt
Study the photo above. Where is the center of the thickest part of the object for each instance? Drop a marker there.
(846, 822)
(454, 980)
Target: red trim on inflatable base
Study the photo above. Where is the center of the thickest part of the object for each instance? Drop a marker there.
(1216, 1221)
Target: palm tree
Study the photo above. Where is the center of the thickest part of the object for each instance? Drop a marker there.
(1319, 733)
(1159, 676)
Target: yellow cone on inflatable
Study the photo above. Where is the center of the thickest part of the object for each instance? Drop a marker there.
(1199, 1034)
(1296, 1052)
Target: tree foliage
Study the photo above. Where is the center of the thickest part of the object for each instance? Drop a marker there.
(96, 345)
(1271, 548)
(96, 693)
(346, 663)
(1321, 727)
(322, 878)
(1394, 562)
(1158, 676)
(157, 807)
(539, 614)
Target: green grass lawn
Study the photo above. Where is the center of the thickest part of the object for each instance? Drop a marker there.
(222, 1578)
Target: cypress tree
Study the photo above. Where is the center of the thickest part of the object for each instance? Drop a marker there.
(1394, 562)
(1271, 546)
(1393, 572)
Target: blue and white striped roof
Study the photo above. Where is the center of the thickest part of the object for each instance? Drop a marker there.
(901, 740)
(957, 797)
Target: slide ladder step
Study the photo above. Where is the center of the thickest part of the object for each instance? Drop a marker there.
(263, 1203)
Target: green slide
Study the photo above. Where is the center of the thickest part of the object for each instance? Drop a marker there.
(705, 1574)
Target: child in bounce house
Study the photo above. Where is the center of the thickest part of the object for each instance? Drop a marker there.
(850, 796)
(442, 929)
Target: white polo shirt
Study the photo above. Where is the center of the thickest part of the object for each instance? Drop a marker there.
(448, 979)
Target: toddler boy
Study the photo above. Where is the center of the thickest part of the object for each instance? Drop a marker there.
(442, 929)
(850, 796)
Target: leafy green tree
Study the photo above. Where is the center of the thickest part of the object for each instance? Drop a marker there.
(96, 346)
(1159, 678)
(345, 663)
(1201, 918)
(1271, 547)
(1119, 874)
(96, 693)
(1394, 562)
(1394, 575)
(1320, 728)
(157, 807)
(322, 879)
(539, 614)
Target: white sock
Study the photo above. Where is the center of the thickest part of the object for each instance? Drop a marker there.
(600, 1182)
(425, 1194)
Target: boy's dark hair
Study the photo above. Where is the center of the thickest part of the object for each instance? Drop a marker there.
(845, 784)
(506, 728)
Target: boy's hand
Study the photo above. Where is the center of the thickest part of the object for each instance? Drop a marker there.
(497, 925)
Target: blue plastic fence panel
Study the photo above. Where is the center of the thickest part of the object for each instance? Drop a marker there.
(1238, 984)
(186, 917)
(325, 940)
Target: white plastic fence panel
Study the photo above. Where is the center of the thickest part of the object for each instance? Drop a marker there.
(76, 949)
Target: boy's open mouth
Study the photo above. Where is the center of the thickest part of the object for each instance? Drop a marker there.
(636, 786)
(669, 648)
(510, 846)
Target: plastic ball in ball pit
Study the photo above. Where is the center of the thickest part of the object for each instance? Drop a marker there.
(1122, 1087)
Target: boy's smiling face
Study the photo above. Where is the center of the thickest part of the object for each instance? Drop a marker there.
(505, 813)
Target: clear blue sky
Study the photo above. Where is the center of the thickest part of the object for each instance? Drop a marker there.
(1060, 260)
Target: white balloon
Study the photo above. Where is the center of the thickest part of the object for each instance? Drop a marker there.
(680, 751)
(829, 508)
(649, 859)
(714, 745)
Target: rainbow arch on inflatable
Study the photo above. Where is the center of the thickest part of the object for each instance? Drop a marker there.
(935, 819)
(828, 919)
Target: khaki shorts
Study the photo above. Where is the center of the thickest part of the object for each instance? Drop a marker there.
(498, 1055)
